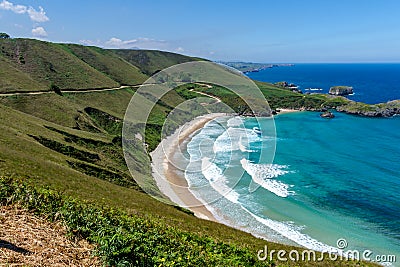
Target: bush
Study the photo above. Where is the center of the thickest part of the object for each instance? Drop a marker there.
(122, 239)
(56, 89)
(4, 35)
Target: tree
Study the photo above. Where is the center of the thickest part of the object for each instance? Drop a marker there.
(4, 35)
(56, 89)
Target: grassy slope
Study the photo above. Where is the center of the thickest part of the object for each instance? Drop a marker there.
(151, 61)
(22, 156)
(31, 65)
(13, 79)
(108, 63)
(50, 63)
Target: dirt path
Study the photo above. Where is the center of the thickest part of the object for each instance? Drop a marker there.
(205, 94)
(101, 90)
(67, 91)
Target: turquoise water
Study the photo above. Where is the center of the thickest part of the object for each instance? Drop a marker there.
(330, 179)
(347, 167)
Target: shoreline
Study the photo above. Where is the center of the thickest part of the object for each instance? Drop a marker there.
(286, 111)
(166, 173)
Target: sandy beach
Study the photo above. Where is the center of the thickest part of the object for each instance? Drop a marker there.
(287, 110)
(169, 178)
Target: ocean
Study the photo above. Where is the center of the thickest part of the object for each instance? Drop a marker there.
(372, 83)
(329, 180)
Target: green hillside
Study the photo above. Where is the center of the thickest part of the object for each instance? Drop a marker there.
(151, 61)
(14, 79)
(108, 63)
(33, 65)
(51, 64)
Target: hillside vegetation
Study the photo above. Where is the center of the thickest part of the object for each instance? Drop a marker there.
(61, 156)
(107, 62)
(150, 61)
(50, 64)
(33, 65)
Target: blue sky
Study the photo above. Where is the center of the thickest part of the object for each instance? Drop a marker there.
(257, 31)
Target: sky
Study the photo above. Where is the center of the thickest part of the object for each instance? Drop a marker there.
(278, 31)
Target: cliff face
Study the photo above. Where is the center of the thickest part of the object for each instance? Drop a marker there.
(341, 90)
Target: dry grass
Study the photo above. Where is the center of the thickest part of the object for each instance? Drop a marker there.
(27, 240)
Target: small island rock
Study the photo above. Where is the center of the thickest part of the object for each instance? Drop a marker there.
(341, 90)
(327, 115)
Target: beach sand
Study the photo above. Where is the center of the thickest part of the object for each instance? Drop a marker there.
(287, 110)
(166, 173)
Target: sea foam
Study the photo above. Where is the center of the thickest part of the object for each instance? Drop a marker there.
(233, 138)
(263, 175)
(218, 181)
(235, 121)
(289, 231)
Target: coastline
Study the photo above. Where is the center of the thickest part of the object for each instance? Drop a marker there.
(286, 111)
(166, 173)
(277, 231)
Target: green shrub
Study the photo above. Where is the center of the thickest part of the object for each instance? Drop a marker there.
(122, 239)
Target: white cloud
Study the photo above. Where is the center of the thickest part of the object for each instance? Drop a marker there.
(91, 42)
(37, 16)
(39, 32)
(118, 43)
(6, 5)
(34, 15)
(137, 43)
(141, 42)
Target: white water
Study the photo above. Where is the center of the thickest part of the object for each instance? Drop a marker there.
(264, 174)
(218, 181)
(228, 207)
(233, 138)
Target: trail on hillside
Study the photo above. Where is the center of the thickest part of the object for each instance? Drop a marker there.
(101, 90)
(68, 91)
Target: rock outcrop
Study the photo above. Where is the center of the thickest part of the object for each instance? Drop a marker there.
(327, 115)
(290, 86)
(388, 109)
(341, 90)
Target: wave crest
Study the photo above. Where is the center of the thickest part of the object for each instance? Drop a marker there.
(263, 175)
(233, 138)
(217, 180)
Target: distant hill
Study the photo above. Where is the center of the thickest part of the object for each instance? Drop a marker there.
(33, 65)
(252, 67)
(151, 61)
